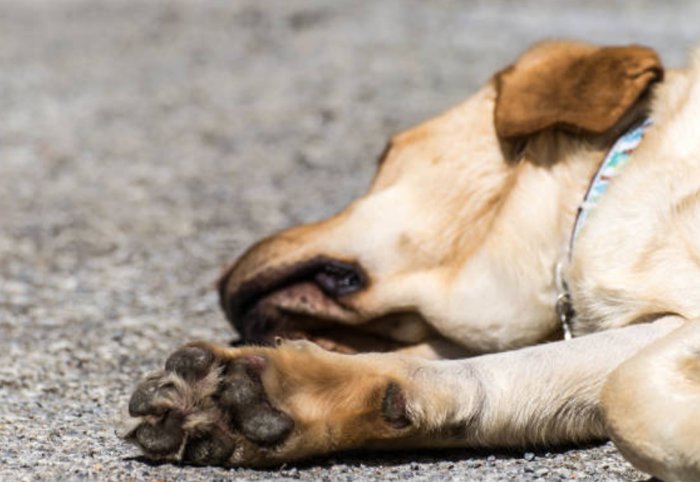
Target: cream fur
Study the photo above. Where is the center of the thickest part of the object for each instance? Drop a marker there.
(460, 246)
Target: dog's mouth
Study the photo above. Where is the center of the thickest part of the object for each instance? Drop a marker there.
(314, 301)
(331, 336)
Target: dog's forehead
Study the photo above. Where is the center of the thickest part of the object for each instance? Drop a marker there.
(409, 141)
(467, 122)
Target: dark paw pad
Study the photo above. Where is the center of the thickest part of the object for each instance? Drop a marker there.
(191, 362)
(209, 448)
(265, 425)
(244, 398)
(163, 438)
(240, 387)
(394, 407)
(203, 408)
(144, 399)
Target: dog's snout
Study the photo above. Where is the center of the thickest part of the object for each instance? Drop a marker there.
(337, 279)
(247, 304)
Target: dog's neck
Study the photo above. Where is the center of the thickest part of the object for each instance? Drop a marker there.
(616, 159)
(531, 234)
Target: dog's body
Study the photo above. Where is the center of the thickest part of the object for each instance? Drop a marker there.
(453, 252)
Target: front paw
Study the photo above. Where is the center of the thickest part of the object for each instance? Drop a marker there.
(262, 406)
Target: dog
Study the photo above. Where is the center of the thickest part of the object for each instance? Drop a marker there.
(507, 281)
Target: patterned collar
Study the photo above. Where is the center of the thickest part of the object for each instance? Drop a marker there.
(618, 156)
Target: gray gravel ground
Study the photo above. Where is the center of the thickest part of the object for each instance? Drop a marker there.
(144, 144)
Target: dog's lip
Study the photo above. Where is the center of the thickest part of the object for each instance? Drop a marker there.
(264, 307)
(303, 311)
(242, 299)
(330, 336)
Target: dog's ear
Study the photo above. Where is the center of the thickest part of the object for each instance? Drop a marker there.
(572, 86)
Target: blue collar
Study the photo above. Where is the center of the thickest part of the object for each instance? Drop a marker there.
(618, 156)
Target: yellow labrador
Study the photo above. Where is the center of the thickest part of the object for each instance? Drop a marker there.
(479, 234)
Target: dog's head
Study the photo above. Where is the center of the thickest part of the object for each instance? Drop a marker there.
(457, 236)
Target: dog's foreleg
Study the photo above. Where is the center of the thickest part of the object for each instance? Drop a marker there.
(548, 394)
(652, 406)
(263, 406)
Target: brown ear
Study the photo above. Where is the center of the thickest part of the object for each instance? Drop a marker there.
(573, 86)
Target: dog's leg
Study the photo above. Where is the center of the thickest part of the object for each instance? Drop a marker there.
(261, 406)
(652, 406)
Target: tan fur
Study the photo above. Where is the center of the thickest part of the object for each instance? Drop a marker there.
(458, 239)
(536, 93)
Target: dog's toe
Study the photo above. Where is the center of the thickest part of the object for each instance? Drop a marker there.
(192, 363)
(144, 400)
(244, 398)
(214, 447)
(162, 438)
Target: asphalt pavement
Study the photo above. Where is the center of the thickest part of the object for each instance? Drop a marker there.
(145, 144)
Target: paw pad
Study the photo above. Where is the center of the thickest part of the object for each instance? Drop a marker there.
(162, 438)
(191, 362)
(202, 407)
(245, 399)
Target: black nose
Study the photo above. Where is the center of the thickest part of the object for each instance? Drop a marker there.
(336, 278)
